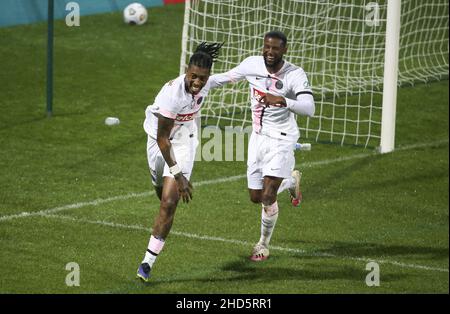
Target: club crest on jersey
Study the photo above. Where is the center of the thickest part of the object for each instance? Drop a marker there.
(279, 84)
(199, 100)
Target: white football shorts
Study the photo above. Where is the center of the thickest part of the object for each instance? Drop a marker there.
(184, 145)
(268, 156)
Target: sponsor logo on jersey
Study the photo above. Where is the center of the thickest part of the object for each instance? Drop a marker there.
(258, 95)
(185, 117)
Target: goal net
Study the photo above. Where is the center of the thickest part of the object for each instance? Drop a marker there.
(339, 44)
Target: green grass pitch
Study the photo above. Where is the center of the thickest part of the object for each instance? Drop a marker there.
(87, 191)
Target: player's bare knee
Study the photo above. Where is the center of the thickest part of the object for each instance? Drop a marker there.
(255, 196)
(255, 199)
(268, 197)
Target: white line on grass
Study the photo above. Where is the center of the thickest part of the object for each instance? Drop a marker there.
(201, 183)
(244, 243)
(76, 205)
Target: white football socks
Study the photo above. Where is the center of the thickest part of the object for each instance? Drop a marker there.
(155, 245)
(269, 218)
(149, 258)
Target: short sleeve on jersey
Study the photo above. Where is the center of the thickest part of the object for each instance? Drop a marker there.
(301, 83)
(167, 103)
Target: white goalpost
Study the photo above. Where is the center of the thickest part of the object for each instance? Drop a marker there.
(356, 53)
(390, 74)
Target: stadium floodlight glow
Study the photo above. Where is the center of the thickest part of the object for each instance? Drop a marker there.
(356, 54)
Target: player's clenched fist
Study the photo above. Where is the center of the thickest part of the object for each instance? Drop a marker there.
(272, 100)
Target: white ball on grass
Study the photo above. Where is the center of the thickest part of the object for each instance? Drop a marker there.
(135, 14)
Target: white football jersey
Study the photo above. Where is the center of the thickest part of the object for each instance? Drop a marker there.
(289, 82)
(174, 102)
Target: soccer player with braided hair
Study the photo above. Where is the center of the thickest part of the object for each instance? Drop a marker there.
(172, 142)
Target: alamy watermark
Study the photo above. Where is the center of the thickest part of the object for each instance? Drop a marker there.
(73, 17)
(373, 277)
(217, 144)
(373, 16)
(73, 277)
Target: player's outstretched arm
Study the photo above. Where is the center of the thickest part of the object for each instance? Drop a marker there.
(218, 80)
(165, 126)
(234, 75)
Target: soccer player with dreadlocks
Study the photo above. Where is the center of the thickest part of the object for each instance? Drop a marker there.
(172, 142)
